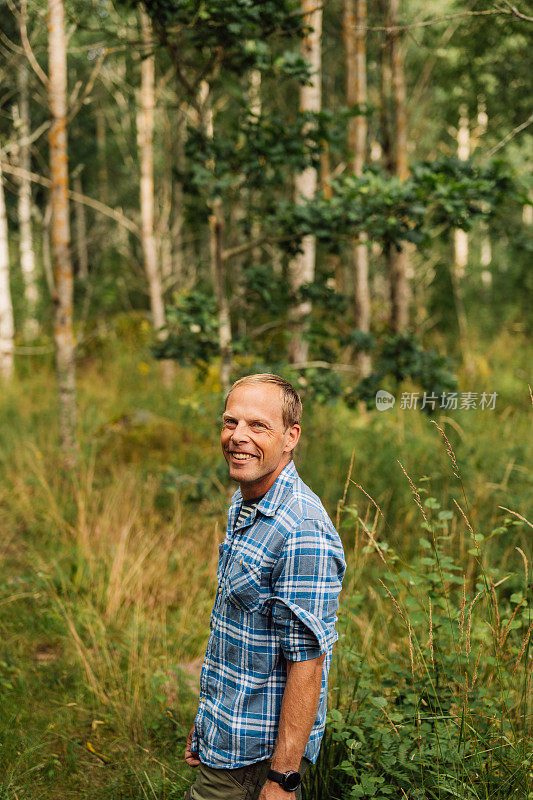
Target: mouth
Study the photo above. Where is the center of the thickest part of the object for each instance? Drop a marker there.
(239, 457)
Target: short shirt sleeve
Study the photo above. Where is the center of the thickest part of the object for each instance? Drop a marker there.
(306, 585)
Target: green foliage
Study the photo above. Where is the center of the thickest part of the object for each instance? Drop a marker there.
(437, 197)
(215, 32)
(191, 333)
(402, 358)
(445, 713)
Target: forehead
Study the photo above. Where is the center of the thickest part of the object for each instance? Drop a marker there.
(256, 400)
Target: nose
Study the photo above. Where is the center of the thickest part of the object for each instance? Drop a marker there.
(240, 433)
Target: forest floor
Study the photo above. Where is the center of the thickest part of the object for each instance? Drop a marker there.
(107, 576)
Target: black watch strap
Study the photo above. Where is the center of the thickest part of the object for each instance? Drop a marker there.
(289, 781)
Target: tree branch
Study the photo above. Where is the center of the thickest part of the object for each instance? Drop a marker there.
(516, 13)
(324, 365)
(41, 74)
(8, 148)
(118, 216)
(88, 86)
(240, 249)
(511, 135)
(490, 12)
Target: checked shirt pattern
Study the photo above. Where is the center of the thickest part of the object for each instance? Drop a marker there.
(279, 577)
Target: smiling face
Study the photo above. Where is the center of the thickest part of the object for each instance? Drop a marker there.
(254, 441)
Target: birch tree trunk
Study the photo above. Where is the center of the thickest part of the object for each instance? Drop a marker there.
(63, 281)
(145, 135)
(398, 259)
(354, 29)
(27, 255)
(176, 231)
(217, 262)
(302, 267)
(7, 329)
(463, 153)
(461, 246)
(216, 227)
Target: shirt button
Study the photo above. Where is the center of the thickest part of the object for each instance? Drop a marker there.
(207, 662)
(219, 589)
(240, 562)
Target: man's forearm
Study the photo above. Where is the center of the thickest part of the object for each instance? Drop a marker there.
(298, 712)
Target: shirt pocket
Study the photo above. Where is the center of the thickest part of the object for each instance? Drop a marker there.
(243, 583)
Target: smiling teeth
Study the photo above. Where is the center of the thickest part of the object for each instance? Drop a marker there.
(241, 456)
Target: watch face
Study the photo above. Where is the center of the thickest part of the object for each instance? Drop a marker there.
(292, 781)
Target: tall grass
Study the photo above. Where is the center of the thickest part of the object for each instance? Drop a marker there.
(107, 578)
(433, 674)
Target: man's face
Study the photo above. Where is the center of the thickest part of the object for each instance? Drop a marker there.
(254, 441)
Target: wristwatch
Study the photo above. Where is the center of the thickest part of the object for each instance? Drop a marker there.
(289, 781)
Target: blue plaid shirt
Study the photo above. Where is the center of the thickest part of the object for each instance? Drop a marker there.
(279, 577)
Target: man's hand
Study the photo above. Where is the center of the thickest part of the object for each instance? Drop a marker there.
(191, 758)
(273, 791)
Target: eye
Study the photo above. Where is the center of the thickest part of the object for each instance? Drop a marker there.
(228, 423)
(259, 425)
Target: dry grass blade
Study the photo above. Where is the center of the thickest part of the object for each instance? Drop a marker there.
(469, 526)
(369, 497)
(395, 602)
(474, 677)
(449, 449)
(524, 645)
(525, 565)
(372, 539)
(415, 492)
(469, 623)
(340, 505)
(516, 514)
(508, 626)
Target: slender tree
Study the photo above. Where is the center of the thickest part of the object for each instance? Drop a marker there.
(145, 134)
(216, 253)
(302, 267)
(354, 30)
(27, 255)
(463, 154)
(145, 138)
(398, 258)
(62, 265)
(7, 329)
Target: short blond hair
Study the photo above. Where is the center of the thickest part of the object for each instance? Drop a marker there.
(291, 404)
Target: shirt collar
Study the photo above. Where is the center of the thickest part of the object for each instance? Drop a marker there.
(273, 498)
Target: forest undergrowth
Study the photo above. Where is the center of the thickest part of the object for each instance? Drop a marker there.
(107, 578)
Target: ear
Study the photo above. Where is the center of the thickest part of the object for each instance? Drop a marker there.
(293, 434)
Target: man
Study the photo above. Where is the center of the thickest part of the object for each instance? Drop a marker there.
(263, 686)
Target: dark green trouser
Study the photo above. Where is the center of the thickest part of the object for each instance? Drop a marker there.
(243, 783)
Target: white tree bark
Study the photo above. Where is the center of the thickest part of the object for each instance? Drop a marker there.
(216, 257)
(27, 256)
(463, 153)
(63, 279)
(145, 135)
(7, 329)
(354, 25)
(302, 267)
(398, 259)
